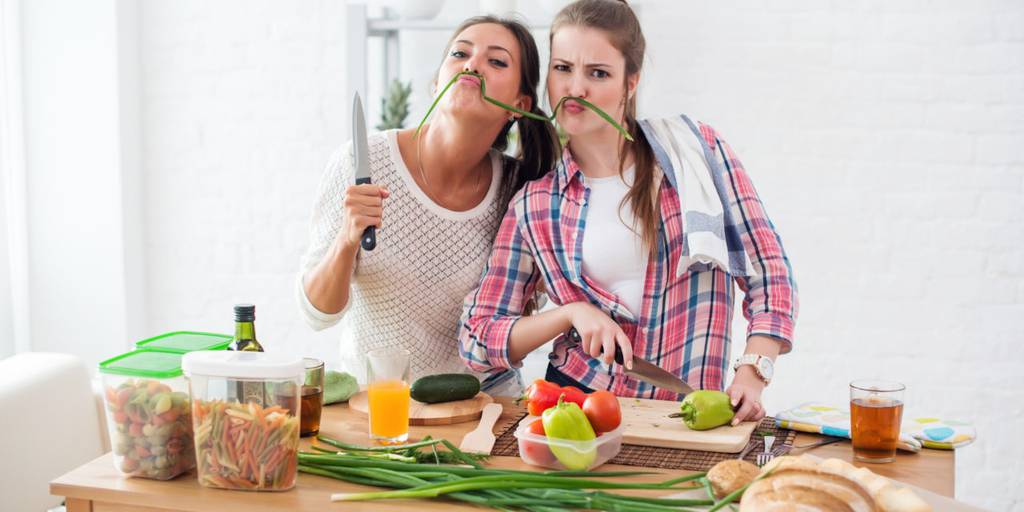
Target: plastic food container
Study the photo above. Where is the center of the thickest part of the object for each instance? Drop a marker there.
(245, 412)
(148, 414)
(543, 451)
(186, 341)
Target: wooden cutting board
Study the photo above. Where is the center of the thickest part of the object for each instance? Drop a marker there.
(647, 424)
(422, 414)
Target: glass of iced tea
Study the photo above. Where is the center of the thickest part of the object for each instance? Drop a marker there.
(387, 375)
(312, 397)
(876, 411)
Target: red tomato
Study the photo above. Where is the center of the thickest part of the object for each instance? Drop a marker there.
(535, 452)
(603, 411)
(537, 427)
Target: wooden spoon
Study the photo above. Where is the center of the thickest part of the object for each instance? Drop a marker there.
(481, 439)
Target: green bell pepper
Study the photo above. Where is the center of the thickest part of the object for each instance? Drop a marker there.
(706, 409)
(567, 421)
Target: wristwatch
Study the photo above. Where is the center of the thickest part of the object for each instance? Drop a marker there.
(763, 366)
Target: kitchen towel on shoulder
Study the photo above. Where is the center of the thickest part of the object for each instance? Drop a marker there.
(916, 431)
(710, 233)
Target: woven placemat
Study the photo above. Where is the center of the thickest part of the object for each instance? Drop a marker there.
(651, 456)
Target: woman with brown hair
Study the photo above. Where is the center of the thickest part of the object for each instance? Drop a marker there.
(637, 243)
(437, 198)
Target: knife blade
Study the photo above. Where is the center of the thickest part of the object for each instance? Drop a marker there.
(361, 152)
(644, 370)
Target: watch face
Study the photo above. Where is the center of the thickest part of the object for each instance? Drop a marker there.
(766, 368)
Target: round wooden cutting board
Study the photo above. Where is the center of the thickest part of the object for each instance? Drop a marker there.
(422, 414)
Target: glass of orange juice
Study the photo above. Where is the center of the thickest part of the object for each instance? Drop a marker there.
(387, 372)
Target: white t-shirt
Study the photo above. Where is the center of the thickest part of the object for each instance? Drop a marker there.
(613, 253)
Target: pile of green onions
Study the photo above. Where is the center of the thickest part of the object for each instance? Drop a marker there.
(483, 91)
(404, 471)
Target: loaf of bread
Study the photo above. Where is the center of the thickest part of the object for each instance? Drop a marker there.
(804, 484)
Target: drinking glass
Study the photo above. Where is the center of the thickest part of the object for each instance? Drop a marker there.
(876, 411)
(312, 397)
(387, 375)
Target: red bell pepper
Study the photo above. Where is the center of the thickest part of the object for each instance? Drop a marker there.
(543, 395)
(574, 395)
(540, 396)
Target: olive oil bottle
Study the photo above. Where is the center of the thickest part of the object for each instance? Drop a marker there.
(245, 329)
(245, 341)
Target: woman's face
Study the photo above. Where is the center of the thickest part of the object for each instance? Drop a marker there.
(586, 65)
(492, 51)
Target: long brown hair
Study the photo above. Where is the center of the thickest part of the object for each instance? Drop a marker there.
(622, 28)
(538, 142)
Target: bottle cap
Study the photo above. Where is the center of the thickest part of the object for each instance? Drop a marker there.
(245, 313)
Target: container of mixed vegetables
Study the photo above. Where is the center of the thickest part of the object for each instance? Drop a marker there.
(568, 429)
(245, 414)
(148, 414)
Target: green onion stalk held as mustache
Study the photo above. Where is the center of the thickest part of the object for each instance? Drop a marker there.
(531, 115)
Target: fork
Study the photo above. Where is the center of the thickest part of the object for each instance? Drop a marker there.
(767, 455)
(750, 446)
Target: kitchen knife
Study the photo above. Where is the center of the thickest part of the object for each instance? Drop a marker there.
(645, 370)
(360, 148)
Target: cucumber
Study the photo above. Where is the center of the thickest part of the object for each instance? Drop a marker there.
(446, 387)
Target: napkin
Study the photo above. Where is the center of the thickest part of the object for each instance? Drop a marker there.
(915, 431)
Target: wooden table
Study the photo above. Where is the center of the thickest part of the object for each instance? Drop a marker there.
(98, 487)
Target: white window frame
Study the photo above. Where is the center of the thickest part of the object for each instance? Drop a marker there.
(13, 171)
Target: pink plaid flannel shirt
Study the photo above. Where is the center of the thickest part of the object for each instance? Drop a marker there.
(684, 324)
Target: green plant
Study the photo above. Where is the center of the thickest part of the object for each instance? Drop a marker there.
(395, 106)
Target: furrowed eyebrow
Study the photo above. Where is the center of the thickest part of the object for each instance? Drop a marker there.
(594, 65)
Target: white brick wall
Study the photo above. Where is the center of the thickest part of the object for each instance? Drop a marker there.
(241, 106)
(884, 137)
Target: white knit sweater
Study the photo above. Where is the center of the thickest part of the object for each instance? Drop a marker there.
(408, 291)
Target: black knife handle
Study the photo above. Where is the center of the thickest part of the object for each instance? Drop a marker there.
(574, 335)
(369, 238)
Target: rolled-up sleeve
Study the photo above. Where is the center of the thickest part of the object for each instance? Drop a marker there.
(327, 219)
(315, 318)
(508, 281)
(770, 302)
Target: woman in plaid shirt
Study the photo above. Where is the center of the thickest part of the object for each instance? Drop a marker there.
(604, 231)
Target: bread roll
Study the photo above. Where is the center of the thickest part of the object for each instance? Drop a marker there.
(731, 474)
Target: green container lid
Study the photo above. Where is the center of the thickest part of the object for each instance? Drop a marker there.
(186, 341)
(155, 364)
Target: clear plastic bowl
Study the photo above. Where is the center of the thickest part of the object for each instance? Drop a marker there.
(148, 414)
(553, 453)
